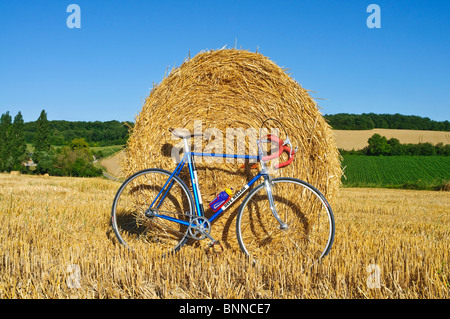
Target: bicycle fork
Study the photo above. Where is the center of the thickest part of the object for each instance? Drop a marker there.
(268, 186)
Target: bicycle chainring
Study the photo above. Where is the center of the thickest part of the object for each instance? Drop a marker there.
(200, 226)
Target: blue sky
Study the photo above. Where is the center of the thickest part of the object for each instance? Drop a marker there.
(104, 70)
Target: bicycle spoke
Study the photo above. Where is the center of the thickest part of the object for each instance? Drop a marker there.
(299, 208)
(134, 223)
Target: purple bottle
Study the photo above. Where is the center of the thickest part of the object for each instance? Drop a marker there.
(221, 199)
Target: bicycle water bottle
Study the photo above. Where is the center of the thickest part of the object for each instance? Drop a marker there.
(221, 199)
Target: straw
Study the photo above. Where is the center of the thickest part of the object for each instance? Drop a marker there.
(232, 88)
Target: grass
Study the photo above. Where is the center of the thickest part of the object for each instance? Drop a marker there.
(56, 242)
(106, 150)
(410, 172)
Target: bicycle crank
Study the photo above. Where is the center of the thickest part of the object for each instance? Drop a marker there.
(200, 228)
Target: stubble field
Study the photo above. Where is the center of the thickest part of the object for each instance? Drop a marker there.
(357, 139)
(56, 242)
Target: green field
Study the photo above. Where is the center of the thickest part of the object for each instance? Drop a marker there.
(413, 172)
(106, 151)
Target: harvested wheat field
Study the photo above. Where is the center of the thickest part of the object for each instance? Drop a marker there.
(357, 139)
(56, 242)
(113, 164)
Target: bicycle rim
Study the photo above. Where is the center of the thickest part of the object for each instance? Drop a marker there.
(136, 195)
(310, 223)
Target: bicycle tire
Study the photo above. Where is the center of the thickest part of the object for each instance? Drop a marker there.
(308, 234)
(133, 228)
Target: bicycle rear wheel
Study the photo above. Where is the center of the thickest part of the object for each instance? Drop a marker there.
(134, 207)
(309, 220)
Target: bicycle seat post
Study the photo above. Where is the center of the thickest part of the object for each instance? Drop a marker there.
(186, 146)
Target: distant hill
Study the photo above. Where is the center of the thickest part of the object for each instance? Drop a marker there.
(369, 121)
(95, 133)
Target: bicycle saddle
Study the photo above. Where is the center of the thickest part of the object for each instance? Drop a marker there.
(182, 133)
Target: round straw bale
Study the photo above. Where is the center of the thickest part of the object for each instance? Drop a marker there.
(232, 89)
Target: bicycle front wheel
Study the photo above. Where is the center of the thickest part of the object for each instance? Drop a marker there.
(308, 229)
(139, 199)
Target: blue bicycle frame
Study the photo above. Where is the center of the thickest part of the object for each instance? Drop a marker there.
(199, 210)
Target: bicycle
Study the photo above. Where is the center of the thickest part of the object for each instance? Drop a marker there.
(283, 215)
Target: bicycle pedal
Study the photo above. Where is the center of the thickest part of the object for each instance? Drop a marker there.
(212, 245)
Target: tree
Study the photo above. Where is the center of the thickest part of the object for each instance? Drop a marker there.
(378, 145)
(5, 142)
(79, 144)
(426, 149)
(76, 160)
(396, 147)
(47, 164)
(442, 150)
(18, 145)
(42, 137)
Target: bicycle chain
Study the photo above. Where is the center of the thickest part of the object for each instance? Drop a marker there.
(190, 228)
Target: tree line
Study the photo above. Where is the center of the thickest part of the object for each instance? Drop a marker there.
(13, 149)
(94, 133)
(368, 121)
(381, 146)
(73, 159)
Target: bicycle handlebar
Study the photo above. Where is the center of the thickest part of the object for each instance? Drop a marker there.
(281, 148)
